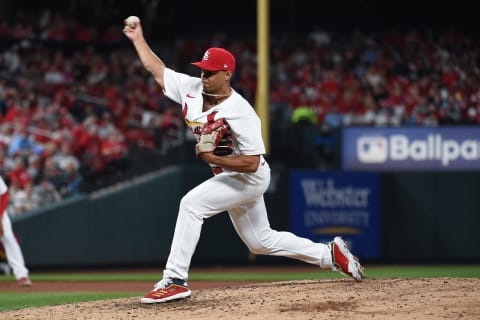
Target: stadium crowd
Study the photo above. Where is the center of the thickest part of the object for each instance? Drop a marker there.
(75, 103)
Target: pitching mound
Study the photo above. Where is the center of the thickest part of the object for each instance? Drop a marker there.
(431, 298)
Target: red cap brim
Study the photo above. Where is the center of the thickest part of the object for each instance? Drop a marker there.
(204, 66)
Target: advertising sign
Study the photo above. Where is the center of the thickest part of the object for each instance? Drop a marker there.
(417, 148)
(327, 204)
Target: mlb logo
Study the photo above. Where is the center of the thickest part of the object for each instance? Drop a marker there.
(372, 149)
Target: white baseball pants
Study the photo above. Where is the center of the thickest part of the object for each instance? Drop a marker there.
(12, 249)
(242, 196)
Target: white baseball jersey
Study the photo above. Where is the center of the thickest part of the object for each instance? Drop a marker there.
(240, 115)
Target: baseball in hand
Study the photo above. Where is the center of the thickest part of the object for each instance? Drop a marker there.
(132, 21)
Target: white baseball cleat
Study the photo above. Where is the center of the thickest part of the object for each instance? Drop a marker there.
(344, 260)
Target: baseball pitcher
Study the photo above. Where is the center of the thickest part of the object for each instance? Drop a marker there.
(229, 138)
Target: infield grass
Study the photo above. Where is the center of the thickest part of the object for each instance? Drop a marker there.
(19, 300)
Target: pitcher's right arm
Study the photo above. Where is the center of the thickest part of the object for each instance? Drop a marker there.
(149, 59)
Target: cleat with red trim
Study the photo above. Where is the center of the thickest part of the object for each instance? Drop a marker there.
(167, 290)
(24, 282)
(344, 261)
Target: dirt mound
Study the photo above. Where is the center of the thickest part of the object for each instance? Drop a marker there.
(430, 298)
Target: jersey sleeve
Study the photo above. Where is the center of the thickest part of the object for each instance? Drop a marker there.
(177, 84)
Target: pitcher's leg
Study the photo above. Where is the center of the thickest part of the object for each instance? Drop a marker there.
(209, 198)
(251, 223)
(12, 249)
(185, 239)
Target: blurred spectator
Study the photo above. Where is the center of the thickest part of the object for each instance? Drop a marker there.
(18, 202)
(106, 125)
(47, 193)
(87, 146)
(304, 114)
(114, 152)
(22, 144)
(53, 174)
(167, 129)
(19, 173)
(320, 38)
(333, 118)
(64, 158)
(7, 163)
(34, 167)
(73, 181)
(30, 199)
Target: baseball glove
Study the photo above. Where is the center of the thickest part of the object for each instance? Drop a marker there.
(215, 137)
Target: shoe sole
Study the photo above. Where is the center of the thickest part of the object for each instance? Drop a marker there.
(25, 284)
(353, 262)
(182, 295)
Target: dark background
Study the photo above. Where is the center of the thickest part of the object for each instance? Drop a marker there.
(180, 18)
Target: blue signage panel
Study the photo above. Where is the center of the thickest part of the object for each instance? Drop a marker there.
(418, 148)
(327, 204)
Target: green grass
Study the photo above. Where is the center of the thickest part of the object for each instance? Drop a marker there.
(462, 271)
(11, 301)
(20, 300)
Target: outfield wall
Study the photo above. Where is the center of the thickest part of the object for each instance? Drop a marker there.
(425, 217)
(430, 216)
